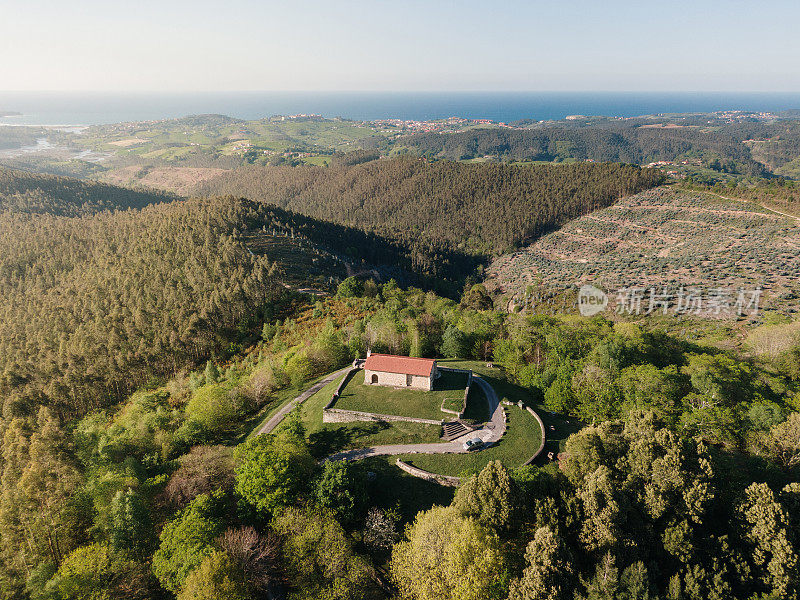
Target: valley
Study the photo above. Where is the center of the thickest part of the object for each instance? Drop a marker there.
(165, 362)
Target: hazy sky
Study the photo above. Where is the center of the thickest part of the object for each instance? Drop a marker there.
(180, 45)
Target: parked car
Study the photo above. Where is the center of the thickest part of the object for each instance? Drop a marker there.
(473, 444)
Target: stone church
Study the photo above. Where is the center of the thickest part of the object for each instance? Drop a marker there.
(399, 371)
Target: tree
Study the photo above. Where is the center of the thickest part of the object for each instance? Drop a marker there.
(767, 527)
(549, 574)
(455, 343)
(96, 573)
(213, 407)
(782, 442)
(202, 470)
(601, 528)
(605, 583)
(131, 526)
(319, 556)
(341, 488)
(216, 578)
(186, 541)
(273, 470)
(352, 287)
(380, 528)
(211, 372)
(268, 331)
(447, 556)
(491, 497)
(255, 554)
(477, 298)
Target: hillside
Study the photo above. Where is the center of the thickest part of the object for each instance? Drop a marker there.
(24, 192)
(439, 210)
(663, 237)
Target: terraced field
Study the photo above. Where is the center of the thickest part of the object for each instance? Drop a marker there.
(662, 238)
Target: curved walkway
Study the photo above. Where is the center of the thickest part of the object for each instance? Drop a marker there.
(491, 432)
(279, 416)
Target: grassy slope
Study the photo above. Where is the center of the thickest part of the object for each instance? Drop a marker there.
(326, 438)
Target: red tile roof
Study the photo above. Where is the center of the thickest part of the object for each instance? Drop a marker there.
(400, 364)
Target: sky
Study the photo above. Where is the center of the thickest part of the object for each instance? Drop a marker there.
(403, 45)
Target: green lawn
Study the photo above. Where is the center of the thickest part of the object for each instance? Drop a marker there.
(557, 427)
(327, 438)
(402, 401)
(521, 440)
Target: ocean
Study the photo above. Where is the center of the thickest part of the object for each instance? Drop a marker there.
(74, 108)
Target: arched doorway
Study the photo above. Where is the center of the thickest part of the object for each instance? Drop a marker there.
(374, 378)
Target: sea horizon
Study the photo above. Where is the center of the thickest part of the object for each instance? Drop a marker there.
(94, 108)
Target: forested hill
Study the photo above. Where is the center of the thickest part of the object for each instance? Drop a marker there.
(95, 305)
(98, 303)
(24, 192)
(480, 209)
(623, 143)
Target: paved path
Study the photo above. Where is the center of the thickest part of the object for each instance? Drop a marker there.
(492, 431)
(279, 416)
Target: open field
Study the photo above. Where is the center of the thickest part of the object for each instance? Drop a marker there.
(663, 238)
(402, 401)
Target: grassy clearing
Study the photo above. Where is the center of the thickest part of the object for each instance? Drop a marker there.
(521, 440)
(522, 437)
(327, 438)
(402, 401)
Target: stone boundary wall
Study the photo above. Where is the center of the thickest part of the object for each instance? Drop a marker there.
(459, 415)
(541, 426)
(345, 380)
(339, 415)
(447, 480)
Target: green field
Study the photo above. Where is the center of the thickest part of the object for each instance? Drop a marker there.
(327, 438)
(521, 440)
(402, 401)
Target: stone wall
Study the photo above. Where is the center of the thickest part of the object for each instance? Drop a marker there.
(345, 380)
(338, 415)
(418, 382)
(541, 426)
(428, 476)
